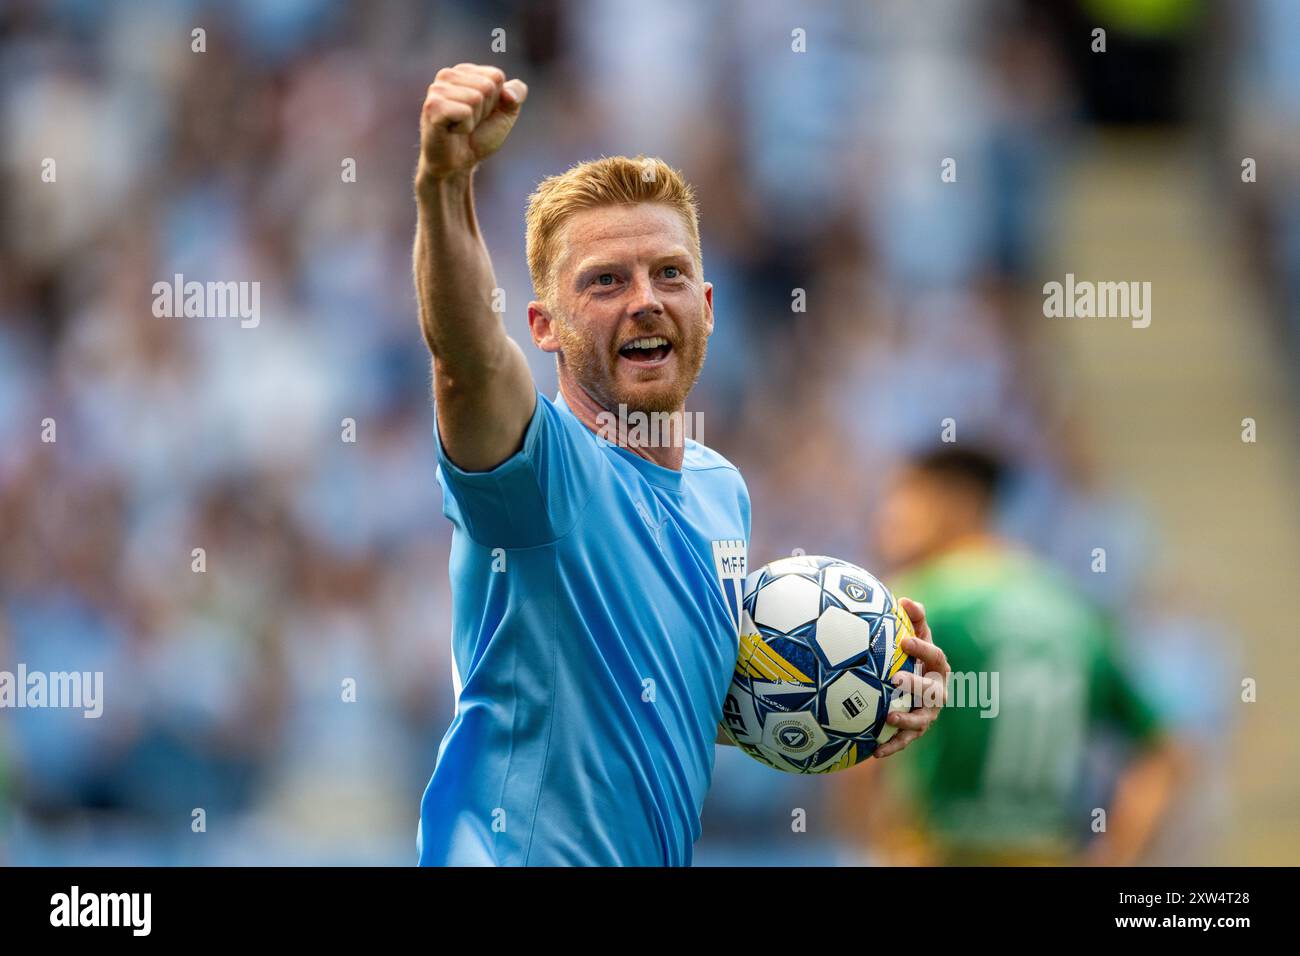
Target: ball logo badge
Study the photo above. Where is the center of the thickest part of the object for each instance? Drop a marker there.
(794, 737)
(853, 705)
(856, 590)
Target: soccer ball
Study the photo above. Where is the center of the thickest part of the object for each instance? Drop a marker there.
(819, 646)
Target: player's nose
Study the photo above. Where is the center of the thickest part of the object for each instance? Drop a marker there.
(644, 301)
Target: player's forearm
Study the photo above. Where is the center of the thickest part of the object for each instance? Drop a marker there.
(1141, 797)
(454, 281)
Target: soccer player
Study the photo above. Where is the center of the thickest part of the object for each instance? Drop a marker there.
(1002, 779)
(596, 574)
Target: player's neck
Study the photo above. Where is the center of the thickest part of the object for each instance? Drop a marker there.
(598, 418)
(975, 541)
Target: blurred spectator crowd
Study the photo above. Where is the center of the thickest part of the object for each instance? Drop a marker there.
(324, 560)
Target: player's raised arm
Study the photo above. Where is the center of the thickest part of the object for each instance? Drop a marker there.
(484, 391)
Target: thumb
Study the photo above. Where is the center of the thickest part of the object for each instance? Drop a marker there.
(513, 94)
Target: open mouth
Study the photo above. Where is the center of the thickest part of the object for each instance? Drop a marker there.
(647, 350)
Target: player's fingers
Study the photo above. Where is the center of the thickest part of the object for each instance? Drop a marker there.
(482, 102)
(897, 742)
(485, 79)
(485, 90)
(456, 78)
(442, 89)
(453, 93)
(481, 91)
(907, 682)
(927, 652)
(935, 694)
(914, 610)
(905, 720)
(449, 114)
(493, 73)
(927, 692)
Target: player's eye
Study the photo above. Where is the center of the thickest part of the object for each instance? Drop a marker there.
(600, 279)
(675, 272)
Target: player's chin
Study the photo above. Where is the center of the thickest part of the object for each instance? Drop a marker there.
(652, 393)
(663, 376)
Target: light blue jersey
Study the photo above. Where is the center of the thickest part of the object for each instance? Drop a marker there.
(595, 607)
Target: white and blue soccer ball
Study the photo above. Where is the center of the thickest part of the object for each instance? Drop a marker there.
(819, 646)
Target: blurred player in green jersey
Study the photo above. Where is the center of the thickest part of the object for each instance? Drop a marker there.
(1002, 779)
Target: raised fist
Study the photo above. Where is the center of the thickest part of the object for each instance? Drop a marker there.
(468, 112)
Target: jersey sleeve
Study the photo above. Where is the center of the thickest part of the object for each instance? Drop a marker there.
(1118, 699)
(746, 508)
(536, 495)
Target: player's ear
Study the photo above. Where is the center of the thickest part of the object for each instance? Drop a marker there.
(542, 326)
(708, 308)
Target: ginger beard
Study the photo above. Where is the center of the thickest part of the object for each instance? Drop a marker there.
(612, 380)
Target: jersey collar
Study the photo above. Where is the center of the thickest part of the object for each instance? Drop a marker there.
(654, 473)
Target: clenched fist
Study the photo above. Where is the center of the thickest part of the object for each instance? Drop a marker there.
(468, 112)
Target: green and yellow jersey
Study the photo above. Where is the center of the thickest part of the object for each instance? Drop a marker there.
(998, 778)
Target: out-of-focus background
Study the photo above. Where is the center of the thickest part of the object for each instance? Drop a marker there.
(816, 170)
